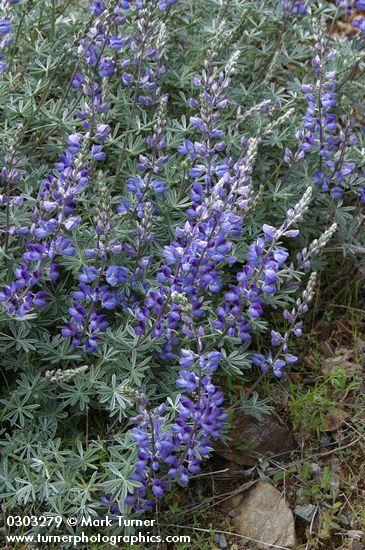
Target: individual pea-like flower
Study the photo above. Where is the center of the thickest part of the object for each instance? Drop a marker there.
(362, 194)
(5, 26)
(359, 24)
(92, 297)
(114, 508)
(117, 274)
(291, 7)
(347, 4)
(97, 152)
(164, 4)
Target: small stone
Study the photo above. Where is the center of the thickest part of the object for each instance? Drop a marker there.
(232, 514)
(356, 535)
(223, 542)
(264, 516)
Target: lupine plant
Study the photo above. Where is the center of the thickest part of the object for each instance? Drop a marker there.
(172, 176)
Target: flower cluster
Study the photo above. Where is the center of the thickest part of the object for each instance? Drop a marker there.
(357, 22)
(277, 361)
(148, 52)
(259, 278)
(282, 357)
(209, 105)
(322, 131)
(146, 189)
(146, 186)
(101, 285)
(55, 217)
(349, 5)
(87, 316)
(203, 245)
(182, 445)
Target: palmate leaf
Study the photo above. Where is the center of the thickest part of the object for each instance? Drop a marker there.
(115, 397)
(79, 393)
(17, 411)
(25, 489)
(256, 407)
(56, 349)
(18, 337)
(86, 458)
(121, 484)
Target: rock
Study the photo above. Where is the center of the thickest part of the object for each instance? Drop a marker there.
(221, 541)
(334, 419)
(264, 516)
(356, 535)
(343, 358)
(357, 540)
(252, 439)
(306, 512)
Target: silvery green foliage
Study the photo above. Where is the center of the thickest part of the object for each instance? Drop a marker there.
(201, 124)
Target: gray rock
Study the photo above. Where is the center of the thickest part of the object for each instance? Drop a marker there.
(264, 516)
(221, 541)
(251, 439)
